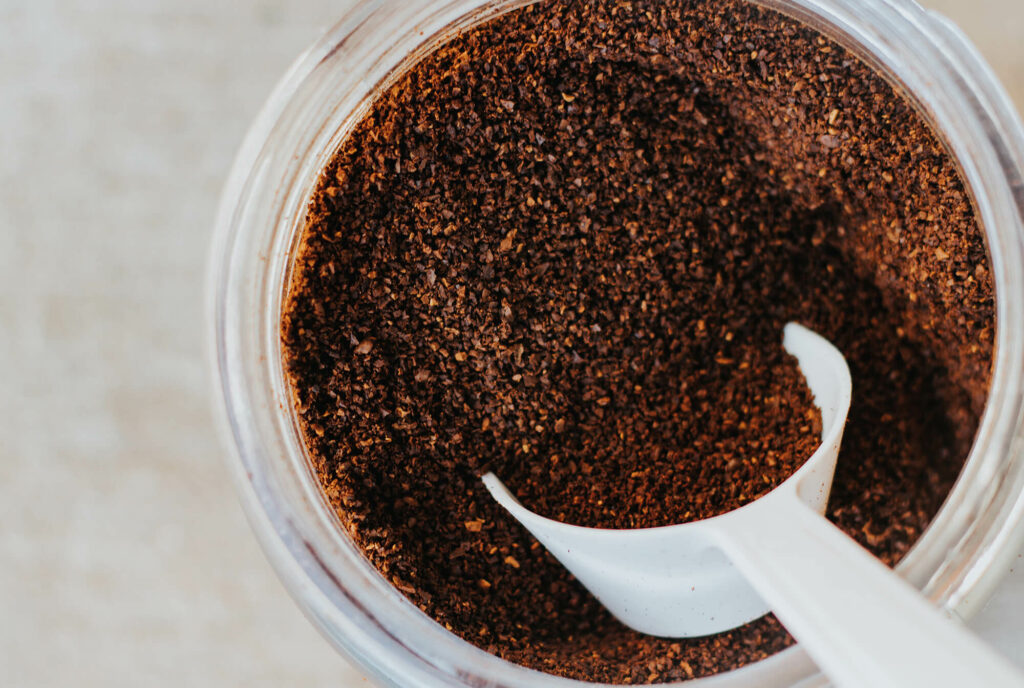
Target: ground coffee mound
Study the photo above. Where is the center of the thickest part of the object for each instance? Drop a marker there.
(563, 247)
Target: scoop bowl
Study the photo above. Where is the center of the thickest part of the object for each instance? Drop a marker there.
(677, 581)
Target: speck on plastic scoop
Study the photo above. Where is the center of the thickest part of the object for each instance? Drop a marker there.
(863, 624)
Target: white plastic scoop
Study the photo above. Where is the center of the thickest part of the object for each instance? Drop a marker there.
(863, 624)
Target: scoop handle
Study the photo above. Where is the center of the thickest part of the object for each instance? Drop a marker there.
(862, 624)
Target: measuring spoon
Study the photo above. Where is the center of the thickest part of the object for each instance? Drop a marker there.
(863, 625)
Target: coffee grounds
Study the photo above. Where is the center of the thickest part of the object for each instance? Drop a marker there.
(563, 247)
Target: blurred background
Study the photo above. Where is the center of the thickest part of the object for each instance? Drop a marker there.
(124, 556)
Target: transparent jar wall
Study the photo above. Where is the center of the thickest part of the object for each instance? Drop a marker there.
(957, 560)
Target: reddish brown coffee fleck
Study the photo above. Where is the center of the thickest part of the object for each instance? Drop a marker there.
(563, 247)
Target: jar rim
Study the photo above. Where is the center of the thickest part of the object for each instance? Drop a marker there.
(957, 561)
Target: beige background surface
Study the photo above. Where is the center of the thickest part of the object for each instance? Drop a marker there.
(124, 558)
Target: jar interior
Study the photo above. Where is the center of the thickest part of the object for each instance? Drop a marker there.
(874, 234)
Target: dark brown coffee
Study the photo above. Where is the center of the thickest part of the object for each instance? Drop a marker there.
(563, 247)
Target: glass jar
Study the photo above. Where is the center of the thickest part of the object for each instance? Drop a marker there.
(957, 561)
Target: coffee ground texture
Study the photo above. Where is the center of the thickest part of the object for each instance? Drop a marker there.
(563, 247)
